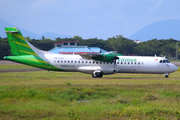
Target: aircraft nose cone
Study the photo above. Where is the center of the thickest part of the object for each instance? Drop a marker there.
(175, 68)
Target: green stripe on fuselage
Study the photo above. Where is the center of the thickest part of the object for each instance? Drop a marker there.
(32, 60)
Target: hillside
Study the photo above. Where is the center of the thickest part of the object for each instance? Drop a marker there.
(25, 33)
(161, 30)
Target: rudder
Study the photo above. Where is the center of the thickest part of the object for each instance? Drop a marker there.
(17, 43)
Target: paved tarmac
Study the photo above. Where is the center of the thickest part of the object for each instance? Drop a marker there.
(17, 70)
(7, 62)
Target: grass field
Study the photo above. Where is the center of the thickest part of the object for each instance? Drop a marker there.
(73, 96)
(14, 66)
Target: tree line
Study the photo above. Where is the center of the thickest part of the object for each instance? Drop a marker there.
(118, 43)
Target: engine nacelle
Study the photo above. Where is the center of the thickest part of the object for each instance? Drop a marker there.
(97, 71)
(107, 71)
(105, 58)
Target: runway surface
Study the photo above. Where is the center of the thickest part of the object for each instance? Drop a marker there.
(6, 62)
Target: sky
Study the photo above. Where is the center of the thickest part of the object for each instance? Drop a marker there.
(100, 19)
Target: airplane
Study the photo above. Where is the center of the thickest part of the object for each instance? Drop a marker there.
(96, 64)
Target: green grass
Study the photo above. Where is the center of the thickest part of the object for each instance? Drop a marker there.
(174, 60)
(73, 95)
(15, 66)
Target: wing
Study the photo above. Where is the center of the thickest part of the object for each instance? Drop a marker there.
(100, 57)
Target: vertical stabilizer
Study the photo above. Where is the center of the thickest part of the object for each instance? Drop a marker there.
(18, 44)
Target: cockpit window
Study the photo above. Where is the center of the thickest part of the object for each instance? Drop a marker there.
(167, 61)
(164, 61)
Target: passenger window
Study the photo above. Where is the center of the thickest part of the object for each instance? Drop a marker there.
(61, 61)
(74, 61)
(58, 61)
(131, 62)
(78, 61)
(86, 61)
(97, 62)
(117, 62)
(82, 61)
(71, 61)
(90, 62)
(68, 61)
(142, 63)
(135, 63)
(128, 62)
(124, 62)
(121, 62)
(93, 62)
(64, 61)
(100, 62)
(160, 61)
(138, 63)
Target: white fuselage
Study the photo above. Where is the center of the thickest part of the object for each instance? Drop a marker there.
(125, 64)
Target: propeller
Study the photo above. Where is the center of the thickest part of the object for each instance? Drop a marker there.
(114, 60)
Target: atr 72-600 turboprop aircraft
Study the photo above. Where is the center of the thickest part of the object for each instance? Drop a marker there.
(95, 64)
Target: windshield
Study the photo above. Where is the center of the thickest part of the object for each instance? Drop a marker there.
(164, 61)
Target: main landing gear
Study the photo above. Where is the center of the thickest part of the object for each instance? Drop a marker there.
(98, 74)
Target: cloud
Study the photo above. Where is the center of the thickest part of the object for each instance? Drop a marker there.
(87, 18)
(155, 5)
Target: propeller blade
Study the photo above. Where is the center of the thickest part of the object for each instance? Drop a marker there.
(114, 60)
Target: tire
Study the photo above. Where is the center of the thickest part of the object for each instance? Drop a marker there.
(94, 75)
(97, 75)
(100, 75)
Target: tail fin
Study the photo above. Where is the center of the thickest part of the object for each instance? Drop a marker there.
(26, 53)
(18, 45)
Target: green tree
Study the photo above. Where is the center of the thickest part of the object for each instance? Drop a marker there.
(27, 38)
(122, 45)
(46, 44)
(169, 50)
(4, 48)
(43, 38)
(158, 47)
(77, 38)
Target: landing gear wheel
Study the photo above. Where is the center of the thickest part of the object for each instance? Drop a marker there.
(94, 75)
(100, 76)
(97, 75)
(166, 76)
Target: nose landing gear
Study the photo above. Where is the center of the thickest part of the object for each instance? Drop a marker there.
(166, 75)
